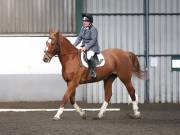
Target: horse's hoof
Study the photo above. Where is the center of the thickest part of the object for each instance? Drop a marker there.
(100, 116)
(135, 116)
(83, 115)
(56, 118)
(96, 118)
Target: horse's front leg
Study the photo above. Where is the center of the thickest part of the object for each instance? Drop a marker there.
(81, 112)
(70, 90)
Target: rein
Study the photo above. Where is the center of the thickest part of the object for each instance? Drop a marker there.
(75, 52)
(78, 52)
(58, 52)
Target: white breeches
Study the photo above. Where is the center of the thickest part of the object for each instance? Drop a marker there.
(90, 54)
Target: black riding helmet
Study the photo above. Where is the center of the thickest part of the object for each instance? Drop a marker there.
(87, 17)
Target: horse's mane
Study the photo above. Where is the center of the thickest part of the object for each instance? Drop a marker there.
(67, 46)
(67, 41)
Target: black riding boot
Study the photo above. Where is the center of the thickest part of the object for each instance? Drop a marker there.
(92, 67)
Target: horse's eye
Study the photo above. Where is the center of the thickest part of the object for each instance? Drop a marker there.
(49, 40)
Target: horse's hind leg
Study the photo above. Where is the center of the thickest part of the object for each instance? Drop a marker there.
(108, 93)
(132, 94)
(81, 112)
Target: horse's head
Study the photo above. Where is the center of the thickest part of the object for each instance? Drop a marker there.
(52, 46)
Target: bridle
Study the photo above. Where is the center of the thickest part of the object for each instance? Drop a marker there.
(55, 51)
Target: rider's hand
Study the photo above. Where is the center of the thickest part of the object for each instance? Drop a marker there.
(83, 49)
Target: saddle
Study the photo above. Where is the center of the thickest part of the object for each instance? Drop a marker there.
(98, 57)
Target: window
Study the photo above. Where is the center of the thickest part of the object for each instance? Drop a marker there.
(175, 63)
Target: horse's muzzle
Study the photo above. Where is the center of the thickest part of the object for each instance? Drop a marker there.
(46, 58)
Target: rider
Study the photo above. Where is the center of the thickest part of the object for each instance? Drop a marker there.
(89, 36)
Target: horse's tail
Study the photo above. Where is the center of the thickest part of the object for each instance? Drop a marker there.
(136, 67)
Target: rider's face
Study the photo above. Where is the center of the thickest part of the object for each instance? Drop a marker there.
(86, 23)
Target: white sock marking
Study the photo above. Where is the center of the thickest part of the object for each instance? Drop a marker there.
(103, 109)
(79, 110)
(59, 113)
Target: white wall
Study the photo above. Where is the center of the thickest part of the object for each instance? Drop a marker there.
(23, 55)
(23, 74)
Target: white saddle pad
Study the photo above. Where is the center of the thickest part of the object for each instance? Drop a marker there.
(100, 58)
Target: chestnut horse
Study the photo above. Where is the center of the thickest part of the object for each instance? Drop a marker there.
(118, 63)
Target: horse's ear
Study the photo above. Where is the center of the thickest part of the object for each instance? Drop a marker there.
(50, 30)
(57, 32)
